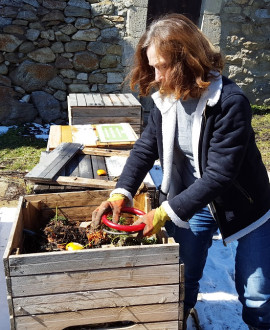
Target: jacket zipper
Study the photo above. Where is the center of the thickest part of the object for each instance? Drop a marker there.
(243, 191)
(211, 204)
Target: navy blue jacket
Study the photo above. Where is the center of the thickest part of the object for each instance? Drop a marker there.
(234, 180)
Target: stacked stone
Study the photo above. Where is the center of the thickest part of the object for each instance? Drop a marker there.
(49, 48)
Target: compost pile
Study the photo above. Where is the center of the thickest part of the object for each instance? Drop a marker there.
(59, 233)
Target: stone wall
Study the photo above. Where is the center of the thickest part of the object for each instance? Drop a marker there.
(50, 48)
(241, 28)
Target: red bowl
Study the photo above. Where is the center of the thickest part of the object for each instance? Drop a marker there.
(127, 228)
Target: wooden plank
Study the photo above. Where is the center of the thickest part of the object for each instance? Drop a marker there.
(84, 182)
(152, 317)
(55, 137)
(68, 302)
(94, 280)
(115, 100)
(132, 99)
(81, 99)
(85, 167)
(55, 161)
(66, 134)
(98, 99)
(73, 100)
(71, 168)
(107, 100)
(105, 152)
(105, 120)
(93, 259)
(98, 163)
(124, 100)
(87, 112)
(90, 102)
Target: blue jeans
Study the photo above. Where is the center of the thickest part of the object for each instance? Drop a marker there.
(252, 266)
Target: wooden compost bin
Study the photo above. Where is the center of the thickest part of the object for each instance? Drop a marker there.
(137, 285)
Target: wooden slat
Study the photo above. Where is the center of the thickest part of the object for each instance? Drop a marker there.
(115, 100)
(81, 100)
(93, 259)
(132, 99)
(98, 99)
(85, 166)
(71, 168)
(66, 134)
(105, 152)
(55, 161)
(84, 182)
(107, 100)
(124, 100)
(89, 100)
(55, 137)
(73, 100)
(151, 317)
(68, 302)
(98, 163)
(94, 280)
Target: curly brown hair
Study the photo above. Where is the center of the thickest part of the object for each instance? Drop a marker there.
(191, 58)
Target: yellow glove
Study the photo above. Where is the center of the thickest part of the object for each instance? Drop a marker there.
(115, 203)
(153, 220)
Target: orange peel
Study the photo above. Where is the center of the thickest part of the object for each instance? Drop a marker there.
(101, 172)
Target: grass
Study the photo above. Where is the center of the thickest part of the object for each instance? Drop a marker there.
(20, 150)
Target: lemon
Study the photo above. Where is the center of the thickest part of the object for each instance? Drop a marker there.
(101, 172)
(74, 246)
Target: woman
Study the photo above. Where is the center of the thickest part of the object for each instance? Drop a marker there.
(213, 175)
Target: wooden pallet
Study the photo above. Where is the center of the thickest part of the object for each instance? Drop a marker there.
(140, 284)
(95, 108)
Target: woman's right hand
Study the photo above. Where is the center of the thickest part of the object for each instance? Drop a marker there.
(114, 204)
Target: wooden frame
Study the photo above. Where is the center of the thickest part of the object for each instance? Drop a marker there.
(57, 290)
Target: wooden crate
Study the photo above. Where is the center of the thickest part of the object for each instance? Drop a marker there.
(94, 287)
(95, 108)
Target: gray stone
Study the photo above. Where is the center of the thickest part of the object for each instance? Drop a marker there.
(97, 78)
(19, 89)
(114, 78)
(48, 107)
(87, 35)
(32, 76)
(66, 73)
(102, 22)
(78, 88)
(8, 11)
(82, 76)
(14, 29)
(3, 68)
(5, 21)
(85, 61)
(48, 34)
(68, 29)
(79, 3)
(55, 15)
(83, 23)
(262, 13)
(102, 8)
(32, 34)
(37, 26)
(109, 61)
(75, 46)
(9, 43)
(115, 50)
(26, 47)
(98, 47)
(109, 88)
(57, 83)
(110, 35)
(27, 15)
(33, 3)
(60, 95)
(76, 11)
(63, 63)
(12, 111)
(54, 4)
(13, 57)
(61, 37)
(42, 55)
(57, 47)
